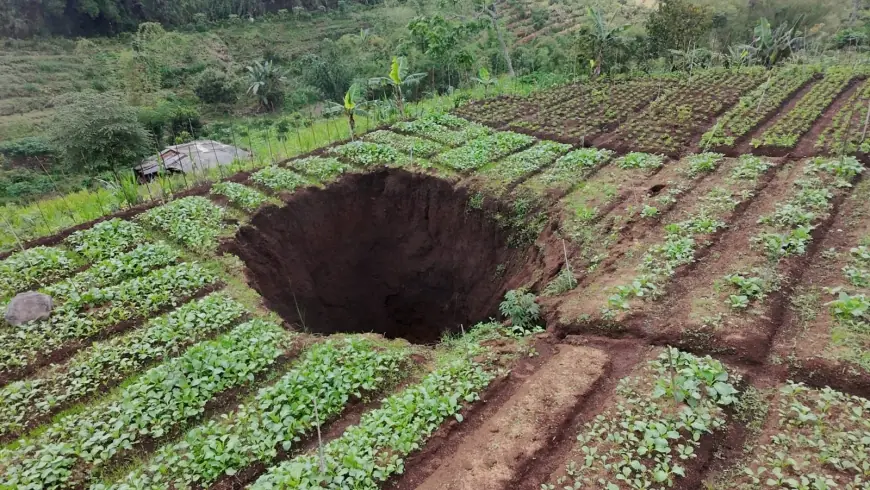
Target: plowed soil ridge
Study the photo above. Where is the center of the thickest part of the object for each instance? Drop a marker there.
(490, 457)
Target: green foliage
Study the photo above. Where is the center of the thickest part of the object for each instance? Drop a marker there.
(369, 453)
(788, 129)
(115, 269)
(368, 154)
(84, 315)
(326, 379)
(522, 309)
(278, 179)
(562, 283)
(637, 160)
(749, 289)
(240, 195)
(323, 170)
(646, 438)
(409, 145)
(703, 163)
(124, 419)
(815, 441)
(479, 152)
(678, 24)
(215, 86)
(38, 265)
(266, 83)
(193, 221)
(106, 239)
(98, 132)
(32, 146)
(111, 361)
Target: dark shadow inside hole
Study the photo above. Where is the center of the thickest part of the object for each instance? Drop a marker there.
(390, 252)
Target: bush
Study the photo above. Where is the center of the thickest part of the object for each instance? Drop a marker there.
(214, 86)
(522, 310)
(32, 146)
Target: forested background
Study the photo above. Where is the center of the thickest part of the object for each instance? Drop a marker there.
(179, 65)
(24, 18)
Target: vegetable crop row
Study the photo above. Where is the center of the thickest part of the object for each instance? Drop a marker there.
(105, 363)
(323, 170)
(758, 105)
(38, 265)
(444, 129)
(846, 133)
(326, 378)
(479, 152)
(193, 221)
(519, 165)
(85, 315)
(240, 195)
(106, 239)
(787, 231)
(71, 452)
(366, 154)
(139, 261)
(279, 179)
(679, 246)
(411, 146)
(790, 127)
(655, 428)
(372, 451)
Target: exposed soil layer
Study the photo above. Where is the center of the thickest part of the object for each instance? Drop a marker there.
(390, 252)
(490, 458)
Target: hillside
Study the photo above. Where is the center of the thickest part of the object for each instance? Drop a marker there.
(558, 294)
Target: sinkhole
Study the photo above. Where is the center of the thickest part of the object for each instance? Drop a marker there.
(390, 252)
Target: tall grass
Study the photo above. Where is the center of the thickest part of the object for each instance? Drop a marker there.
(20, 223)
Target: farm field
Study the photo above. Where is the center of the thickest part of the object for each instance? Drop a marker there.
(520, 294)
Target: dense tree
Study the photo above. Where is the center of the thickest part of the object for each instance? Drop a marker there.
(678, 24)
(215, 86)
(24, 18)
(98, 132)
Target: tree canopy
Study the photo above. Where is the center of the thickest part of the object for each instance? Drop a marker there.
(99, 132)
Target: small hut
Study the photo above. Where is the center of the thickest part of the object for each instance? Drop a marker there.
(196, 156)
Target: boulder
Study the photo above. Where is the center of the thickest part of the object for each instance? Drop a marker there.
(27, 307)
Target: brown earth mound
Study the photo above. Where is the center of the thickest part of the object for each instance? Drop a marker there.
(391, 252)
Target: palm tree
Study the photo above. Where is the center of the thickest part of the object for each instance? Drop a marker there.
(398, 79)
(483, 77)
(351, 106)
(266, 82)
(604, 36)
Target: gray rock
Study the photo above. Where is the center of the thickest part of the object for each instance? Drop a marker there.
(27, 307)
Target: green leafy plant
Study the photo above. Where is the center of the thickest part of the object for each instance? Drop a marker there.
(240, 195)
(522, 309)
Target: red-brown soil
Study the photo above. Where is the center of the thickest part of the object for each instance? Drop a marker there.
(491, 456)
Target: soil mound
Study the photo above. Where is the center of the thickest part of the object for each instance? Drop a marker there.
(390, 252)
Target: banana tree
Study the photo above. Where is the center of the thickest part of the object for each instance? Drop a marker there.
(350, 107)
(605, 37)
(398, 79)
(483, 77)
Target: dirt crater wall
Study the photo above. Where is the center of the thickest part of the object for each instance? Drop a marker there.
(391, 252)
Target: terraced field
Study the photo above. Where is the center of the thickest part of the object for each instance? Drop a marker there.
(450, 304)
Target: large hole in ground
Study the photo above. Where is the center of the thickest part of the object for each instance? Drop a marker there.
(390, 252)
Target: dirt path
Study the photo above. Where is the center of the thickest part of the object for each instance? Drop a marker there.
(490, 456)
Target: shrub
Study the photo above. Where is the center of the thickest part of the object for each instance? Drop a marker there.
(522, 310)
(214, 86)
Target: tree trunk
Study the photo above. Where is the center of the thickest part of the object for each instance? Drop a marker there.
(493, 17)
(352, 123)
